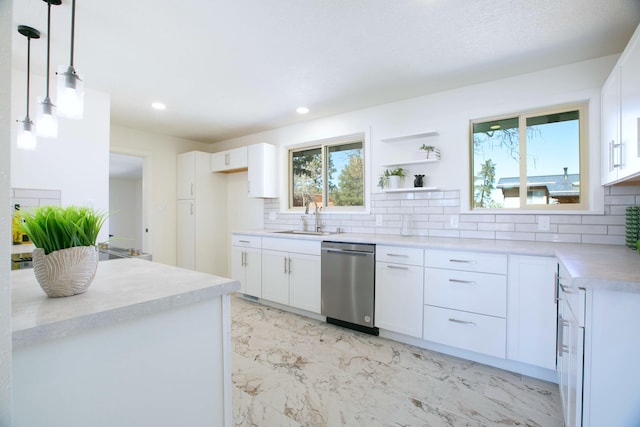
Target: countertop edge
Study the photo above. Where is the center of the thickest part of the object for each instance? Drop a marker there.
(55, 330)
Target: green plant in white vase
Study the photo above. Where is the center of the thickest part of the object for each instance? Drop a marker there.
(386, 179)
(430, 150)
(65, 260)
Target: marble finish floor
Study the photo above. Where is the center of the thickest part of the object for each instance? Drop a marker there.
(290, 370)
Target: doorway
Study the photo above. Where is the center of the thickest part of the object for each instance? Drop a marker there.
(126, 201)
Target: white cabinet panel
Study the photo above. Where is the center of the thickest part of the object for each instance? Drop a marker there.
(610, 144)
(275, 276)
(263, 170)
(467, 261)
(186, 176)
(398, 298)
(185, 234)
(304, 283)
(246, 267)
(230, 160)
(531, 324)
(630, 108)
(481, 293)
(399, 254)
(468, 331)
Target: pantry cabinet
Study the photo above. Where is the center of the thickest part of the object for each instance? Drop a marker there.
(200, 209)
(399, 290)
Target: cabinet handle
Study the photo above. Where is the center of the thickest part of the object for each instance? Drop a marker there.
(564, 349)
(464, 261)
(399, 255)
(565, 289)
(244, 241)
(556, 281)
(466, 282)
(397, 267)
(615, 155)
(191, 189)
(289, 264)
(285, 265)
(462, 322)
(226, 159)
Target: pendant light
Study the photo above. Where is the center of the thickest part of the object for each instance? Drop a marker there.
(47, 120)
(26, 134)
(70, 87)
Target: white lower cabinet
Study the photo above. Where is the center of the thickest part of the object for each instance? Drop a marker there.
(465, 296)
(291, 272)
(399, 289)
(246, 263)
(531, 324)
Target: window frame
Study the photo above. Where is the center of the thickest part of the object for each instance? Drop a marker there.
(323, 144)
(583, 152)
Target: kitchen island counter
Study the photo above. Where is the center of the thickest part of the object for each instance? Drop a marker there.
(147, 344)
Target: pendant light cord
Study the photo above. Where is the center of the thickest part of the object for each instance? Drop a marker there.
(73, 28)
(48, 46)
(28, 71)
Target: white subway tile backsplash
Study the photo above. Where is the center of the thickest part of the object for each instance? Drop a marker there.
(431, 212)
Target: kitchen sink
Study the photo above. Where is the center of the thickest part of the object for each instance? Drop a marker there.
(306, 233)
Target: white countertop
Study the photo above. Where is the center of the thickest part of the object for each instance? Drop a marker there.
(123, 289)
(604, 267)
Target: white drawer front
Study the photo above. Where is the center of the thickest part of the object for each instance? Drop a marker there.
(399, 255)
(468, 261)
(309, 247)
(246, 240)
(481, 293)
(468, 331)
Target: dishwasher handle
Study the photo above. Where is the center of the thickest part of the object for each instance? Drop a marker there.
(347, 252)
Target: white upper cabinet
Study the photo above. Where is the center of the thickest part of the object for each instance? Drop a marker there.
(621, 117)
(230, 160)
(263, 171)
(186, 176)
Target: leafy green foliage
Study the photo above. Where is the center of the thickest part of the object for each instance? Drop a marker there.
(53, 227)
(383, 180)
(484, 184)
(350, 190)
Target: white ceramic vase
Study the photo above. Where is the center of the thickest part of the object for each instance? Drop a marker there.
(395, 181)
(65, 272)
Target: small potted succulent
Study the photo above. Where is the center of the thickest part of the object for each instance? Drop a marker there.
(432, 152)
(65, 260)
(391, 178)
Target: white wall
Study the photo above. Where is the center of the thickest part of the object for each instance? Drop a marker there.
(6, 121)
(449, 113)
(77, 162)
(125, 212)
(160, 153)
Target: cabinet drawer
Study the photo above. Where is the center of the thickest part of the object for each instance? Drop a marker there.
(468, 261)
(468, 331)
(399, 255)
(481, 293)
(300, 246)
(246, 240)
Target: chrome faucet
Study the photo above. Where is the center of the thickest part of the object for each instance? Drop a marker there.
(307, 200)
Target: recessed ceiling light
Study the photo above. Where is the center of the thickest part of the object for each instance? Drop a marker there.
(158, 106)
(302, 110)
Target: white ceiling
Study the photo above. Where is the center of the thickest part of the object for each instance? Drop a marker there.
(231, 68)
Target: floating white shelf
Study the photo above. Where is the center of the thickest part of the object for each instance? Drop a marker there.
(414, 136)
(412, 162)
(408, 189)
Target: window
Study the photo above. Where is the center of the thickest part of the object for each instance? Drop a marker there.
(542, 152)
(329, 173)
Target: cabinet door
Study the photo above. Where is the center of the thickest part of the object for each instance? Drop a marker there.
(230, 160)
(531, 322)
(304, 282)
(185, 234)
(398, 298)
(275, 276)
(185, 176)
(263, 170)
(253, 272)
(630, 108)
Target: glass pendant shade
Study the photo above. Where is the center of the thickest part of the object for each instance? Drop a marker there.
(26, 135)
(70, 93)
(47, 119)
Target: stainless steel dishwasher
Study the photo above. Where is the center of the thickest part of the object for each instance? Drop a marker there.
(348, 285)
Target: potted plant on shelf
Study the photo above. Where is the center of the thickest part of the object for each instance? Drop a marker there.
(65, 260)
(432, 152)
(391, 178)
